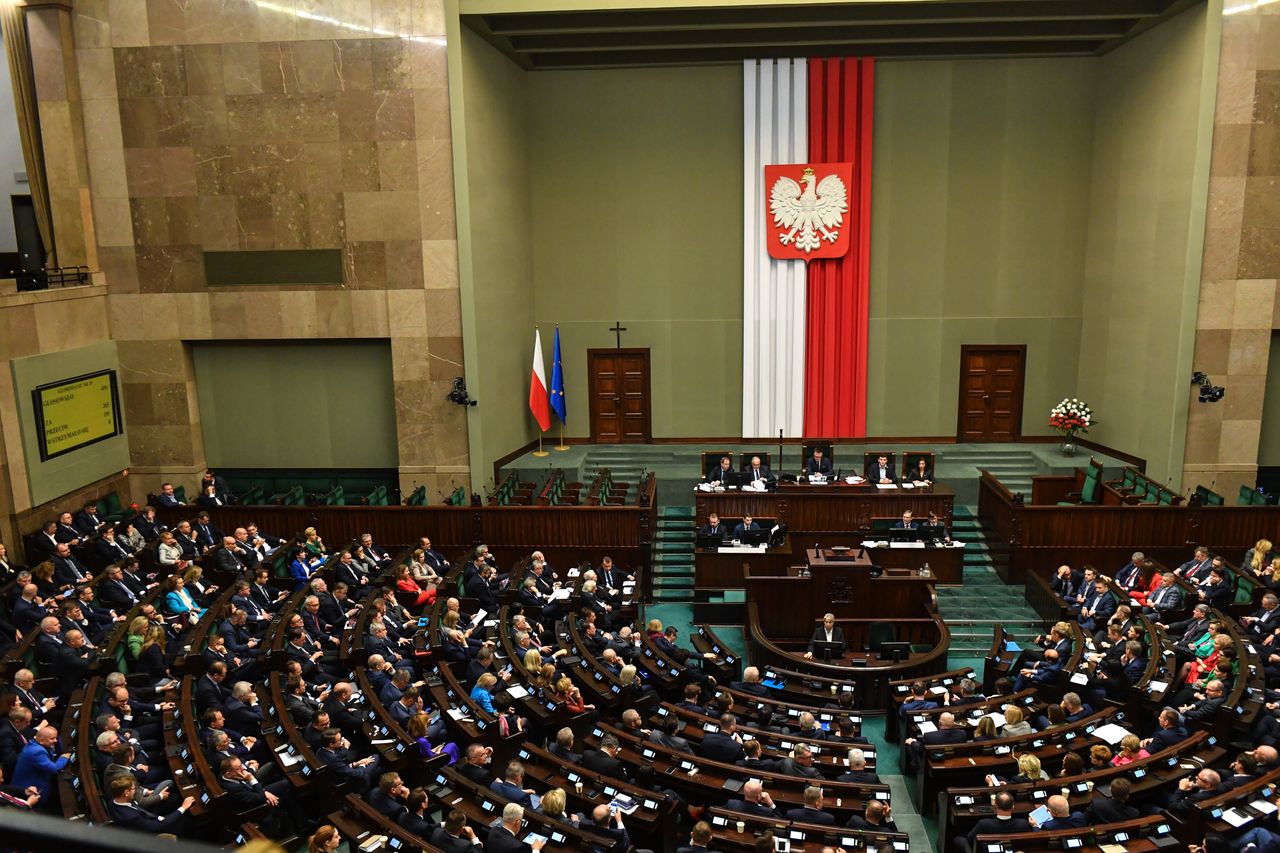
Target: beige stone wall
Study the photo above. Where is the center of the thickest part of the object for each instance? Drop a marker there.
(1238, 305)
(37, 323)
(240, 126)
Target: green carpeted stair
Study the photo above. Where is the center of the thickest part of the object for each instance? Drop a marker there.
(673, 554)
(971, 609)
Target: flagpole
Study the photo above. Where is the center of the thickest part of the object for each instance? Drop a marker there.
(540, 451)
(562, 446)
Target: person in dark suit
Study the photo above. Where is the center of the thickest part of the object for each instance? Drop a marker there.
(505, 837)
(1097, 608)
(812, 810)
(109, 549)
(563, 746)
(605, 760)
(167, 496)
(87, 520)
(1113, 808)
(920, 472)
(750, 683)
(721, 473)
(343, 764)
(698, 839)
(125, 813)
(67, 570)
(755, 470)
(1203, 786)
(723, 745)
(881, 471)
(44, 542)
(1130, 576)
(947, 732)
(713, 527)
(1061, 816)
(878, 818)
(1066, 582)
(858, 773)
(1265, 621)
(818, 463)
(511, 785)
(827, 632)
(1206, 709)
(741, 528)
(71, 663)
(1003, 823)
(244, 792)
(1217, 593)
(755, 800)
(475, 765)
(1197, 567)
(1171, 731)
(414, 819)
(907, 522)
(209, 690)
(454, 836)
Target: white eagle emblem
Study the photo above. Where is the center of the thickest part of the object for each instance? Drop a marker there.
(807, 212)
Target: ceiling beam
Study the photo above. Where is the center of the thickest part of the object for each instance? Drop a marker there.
(819, 15)
(904, 34)
(721, 56)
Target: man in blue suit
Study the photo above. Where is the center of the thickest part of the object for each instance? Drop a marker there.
(1170, 732)
(1043, 673)
(1097, 607)
(510, 787)
(1131, 575)
(907, 522)
(37, 765)
(1061, 816)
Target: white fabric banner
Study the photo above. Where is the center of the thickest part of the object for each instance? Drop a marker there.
(775, 130)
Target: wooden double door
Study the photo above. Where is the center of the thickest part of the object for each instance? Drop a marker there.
(991, 386)
(621, 402)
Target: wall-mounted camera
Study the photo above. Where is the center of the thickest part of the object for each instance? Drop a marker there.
(459, 393)
(1209, 393)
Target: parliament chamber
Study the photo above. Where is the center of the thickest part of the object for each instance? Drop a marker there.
(495, 425)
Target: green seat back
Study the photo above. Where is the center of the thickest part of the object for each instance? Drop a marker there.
(1245, 497)
(1166, 498)
(180, 493)
(1153, 494)
(1089, 491)
(1128, 480)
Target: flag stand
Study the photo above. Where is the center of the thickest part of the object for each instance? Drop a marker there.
(562, 447)
(540, 451)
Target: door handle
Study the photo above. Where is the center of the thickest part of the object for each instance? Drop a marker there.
(616, 399)
(986, 397)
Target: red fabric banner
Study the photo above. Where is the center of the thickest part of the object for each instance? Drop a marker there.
(841, 112)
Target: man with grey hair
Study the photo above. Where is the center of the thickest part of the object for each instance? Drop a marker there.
(750, 683)
(1131, 575)
(1265, 622)
(505, 838)
(858, 773)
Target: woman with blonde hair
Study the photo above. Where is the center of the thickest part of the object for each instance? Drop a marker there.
(552, 805)
(1014, 723)
(532, 661)
(1258, 559)
(135, 636)
(151, 653)
(315, 546)
(193, 578)
(570, 697)
(1130, 750)
(422, 571)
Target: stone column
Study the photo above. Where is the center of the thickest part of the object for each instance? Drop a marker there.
(62, 134)
(1241, 255)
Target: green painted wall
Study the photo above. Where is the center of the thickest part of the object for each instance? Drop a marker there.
(491, 138)
(1269, 446)
(66, 473)
(979, 200)
(1146, 230)
(318, 404)
(636, 180)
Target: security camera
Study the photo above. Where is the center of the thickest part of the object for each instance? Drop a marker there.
(459, 393)
(1209, 393)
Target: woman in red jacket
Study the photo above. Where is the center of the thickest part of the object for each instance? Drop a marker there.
(414, 595)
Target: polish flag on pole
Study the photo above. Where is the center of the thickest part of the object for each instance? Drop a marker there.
(538, 403)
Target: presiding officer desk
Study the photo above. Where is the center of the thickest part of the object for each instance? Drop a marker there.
(836, 513)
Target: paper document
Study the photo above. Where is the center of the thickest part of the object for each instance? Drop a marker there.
(1266, 807)
(560, 594)
(1111, 733)
(288, 759)
(908, 486)
(475, 620)
(886, 486)
(927, 727)
(517, 691)
(1157, 686)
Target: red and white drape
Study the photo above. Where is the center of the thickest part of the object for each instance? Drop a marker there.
(804, 341)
